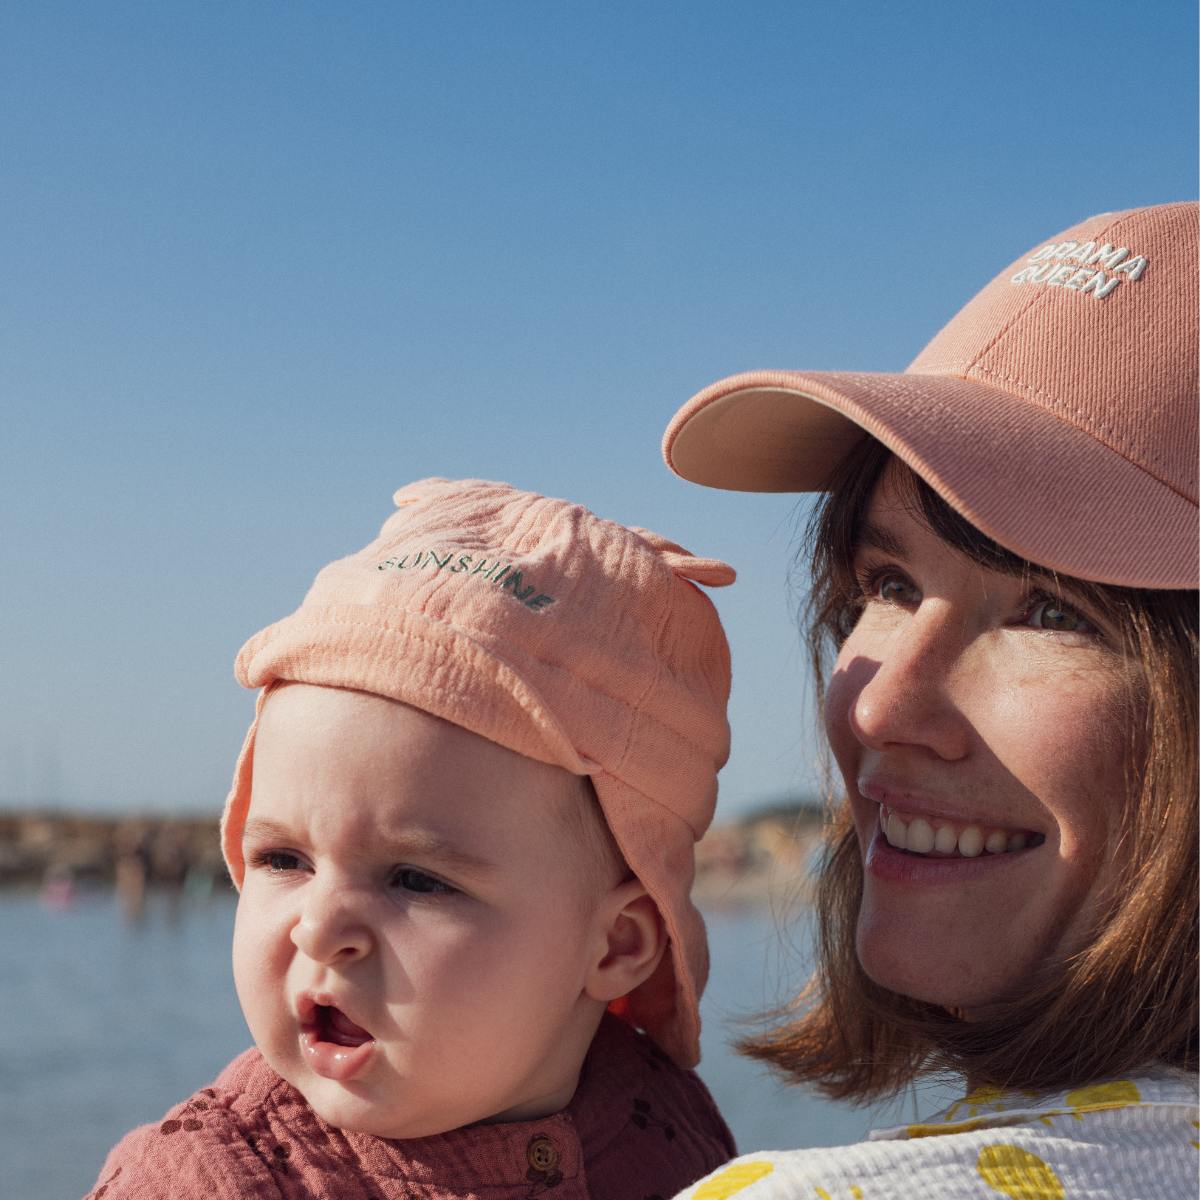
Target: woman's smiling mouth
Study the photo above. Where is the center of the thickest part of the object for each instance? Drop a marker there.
(940, 837)
(968, 857)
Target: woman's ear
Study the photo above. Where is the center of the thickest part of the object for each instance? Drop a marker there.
(631, 941)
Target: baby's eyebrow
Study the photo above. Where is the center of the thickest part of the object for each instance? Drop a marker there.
(428, 847)
(263, 829)
(419, 844)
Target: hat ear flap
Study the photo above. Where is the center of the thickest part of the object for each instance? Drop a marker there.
(711, 572)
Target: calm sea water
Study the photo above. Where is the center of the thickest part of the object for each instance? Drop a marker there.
(107, 1024)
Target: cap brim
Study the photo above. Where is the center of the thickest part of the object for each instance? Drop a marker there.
(1037, 484)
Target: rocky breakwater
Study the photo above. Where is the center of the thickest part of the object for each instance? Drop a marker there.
(91, 848)
(765, 856)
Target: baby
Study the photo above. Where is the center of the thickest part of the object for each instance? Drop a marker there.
(462, 826)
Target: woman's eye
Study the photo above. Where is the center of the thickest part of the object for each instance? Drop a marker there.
(409, 879)
(1055, 616)
(894, 589)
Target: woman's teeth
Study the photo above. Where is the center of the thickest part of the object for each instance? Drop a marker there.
(919, 836)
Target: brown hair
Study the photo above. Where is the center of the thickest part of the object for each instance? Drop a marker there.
(1126, 998)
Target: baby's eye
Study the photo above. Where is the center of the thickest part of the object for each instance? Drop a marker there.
(409, 879)
(1058, 617)
(277, 861)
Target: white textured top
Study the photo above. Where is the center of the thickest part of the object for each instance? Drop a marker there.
(1128, 1139)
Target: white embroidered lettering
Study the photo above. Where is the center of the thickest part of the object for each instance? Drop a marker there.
(1103, 289)
(1108, 256)
(1055, 266)
(1133, 267)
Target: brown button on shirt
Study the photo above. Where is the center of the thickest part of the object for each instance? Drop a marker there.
(637, 1128)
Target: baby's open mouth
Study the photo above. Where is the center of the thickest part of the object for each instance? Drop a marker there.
(327, 1023)
(334, 1026)
(941, 838)
(334, 1045)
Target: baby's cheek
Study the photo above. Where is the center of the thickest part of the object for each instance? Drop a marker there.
(254, 964)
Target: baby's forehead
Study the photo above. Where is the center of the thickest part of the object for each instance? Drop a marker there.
(354, 763)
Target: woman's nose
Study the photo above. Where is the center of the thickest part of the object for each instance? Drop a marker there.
(330, 929)
(906, 694)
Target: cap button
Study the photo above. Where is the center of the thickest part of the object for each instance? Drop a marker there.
(541, 1154)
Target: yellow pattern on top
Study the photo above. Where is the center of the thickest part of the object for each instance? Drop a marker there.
(1019, 1174)
(976, 1101)
(1120, 1093)
(732, 1180)
(1095, 1097)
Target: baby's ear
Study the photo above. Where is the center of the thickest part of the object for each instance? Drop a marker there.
(631, 942)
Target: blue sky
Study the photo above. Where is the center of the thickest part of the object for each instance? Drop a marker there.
(260, 264)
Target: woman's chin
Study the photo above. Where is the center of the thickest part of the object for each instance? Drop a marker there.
(923, 973)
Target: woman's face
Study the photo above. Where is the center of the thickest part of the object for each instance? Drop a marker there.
(980, 721)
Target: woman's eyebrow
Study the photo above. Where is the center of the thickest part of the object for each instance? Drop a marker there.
(874, 537)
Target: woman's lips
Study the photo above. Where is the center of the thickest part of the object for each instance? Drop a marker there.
(920, 824)
(886, 862)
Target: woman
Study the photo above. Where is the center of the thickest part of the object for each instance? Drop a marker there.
(1004, 576)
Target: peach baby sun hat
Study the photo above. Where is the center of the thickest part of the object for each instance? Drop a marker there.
(1057, 411)
(567, 638)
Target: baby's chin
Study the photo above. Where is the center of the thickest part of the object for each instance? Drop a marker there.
(357, 1107)
(352, 1109)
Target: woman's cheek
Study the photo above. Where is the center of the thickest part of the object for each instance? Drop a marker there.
(839, 699)
(846, 748)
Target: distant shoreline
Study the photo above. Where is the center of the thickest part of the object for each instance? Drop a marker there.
(761, 856)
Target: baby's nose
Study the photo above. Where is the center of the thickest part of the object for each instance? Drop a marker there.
(330, 931)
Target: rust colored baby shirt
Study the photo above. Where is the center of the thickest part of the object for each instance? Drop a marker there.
(637, 1128)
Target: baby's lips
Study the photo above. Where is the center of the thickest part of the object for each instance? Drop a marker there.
(309, 1006)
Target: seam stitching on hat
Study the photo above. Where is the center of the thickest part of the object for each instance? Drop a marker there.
(1090, 429)
(652, 684)
(696, 834)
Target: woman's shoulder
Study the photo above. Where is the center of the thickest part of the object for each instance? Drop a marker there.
(1134, 1136)
(202, 1147)
(1153, 1095)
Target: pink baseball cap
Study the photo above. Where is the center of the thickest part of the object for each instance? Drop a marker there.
(1057, 411)
(567, 638)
